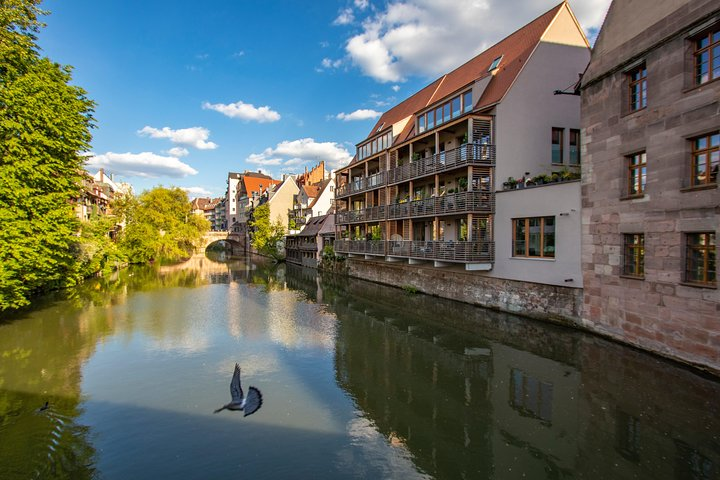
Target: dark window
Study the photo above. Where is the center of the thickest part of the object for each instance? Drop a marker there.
(574, 147)
(700, 256)
(530, 396)
(627, 436)
(705, 159)
(638, 88)
(707, 57)
(637, 173)
(534, 237)
(557, 145)
(634, 255)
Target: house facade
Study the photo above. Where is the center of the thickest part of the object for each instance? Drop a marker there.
(427, 187)
(651, 128)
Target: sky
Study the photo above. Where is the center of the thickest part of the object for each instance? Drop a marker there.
(188, 91)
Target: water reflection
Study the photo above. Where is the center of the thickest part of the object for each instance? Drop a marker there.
(362, 381)
(479, 394)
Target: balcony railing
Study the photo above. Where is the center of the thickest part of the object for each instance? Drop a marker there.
(454, 203)
(361, 185)
(466, 155)
(448, 251)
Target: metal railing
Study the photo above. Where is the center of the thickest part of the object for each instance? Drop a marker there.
(455, 203)
(465, 155)
(362, 184)
(449, 251)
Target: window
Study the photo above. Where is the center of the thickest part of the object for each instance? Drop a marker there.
(700, 255)
(495, 64)
(634, 255)
(446, 112)
(638, 88)
(531, 397)
(421, 123)
(574, 147)
(467, 102)
(705, 159)
(707, 57)
(557, 145)
(455, 107)
(430, 120)
(534, 237)
(637, 174)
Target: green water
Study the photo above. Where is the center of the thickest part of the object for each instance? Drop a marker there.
(359, 381)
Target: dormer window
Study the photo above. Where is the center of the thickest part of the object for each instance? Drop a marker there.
(495, 64)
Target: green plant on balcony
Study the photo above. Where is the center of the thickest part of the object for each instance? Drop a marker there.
(415, 156)
(462, 184)
(510, 184)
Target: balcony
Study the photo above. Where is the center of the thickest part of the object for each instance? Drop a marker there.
(466, 155)
(362, 185)
(443, 251)
(455, 203)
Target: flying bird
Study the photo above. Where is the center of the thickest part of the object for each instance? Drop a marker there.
(249, 404)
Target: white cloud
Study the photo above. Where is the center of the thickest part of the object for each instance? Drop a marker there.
(293, 153)
(362, 114)
(244, 111)
(345, 17)
(361, 4)
(195, 137)
(197, 191)
(431, 37)
(396, 88)
(329, 63)
(239, 54)
(178, 152)
(145, 164)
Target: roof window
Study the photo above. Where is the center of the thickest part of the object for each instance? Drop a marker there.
(495, 63)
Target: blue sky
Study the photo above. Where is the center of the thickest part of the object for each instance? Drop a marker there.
(188, 91)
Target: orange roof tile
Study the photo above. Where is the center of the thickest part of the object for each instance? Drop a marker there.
(257, 184)
(515, 50)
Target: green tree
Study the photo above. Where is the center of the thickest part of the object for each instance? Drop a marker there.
(44, 126)
(266, 234)
(160, 226)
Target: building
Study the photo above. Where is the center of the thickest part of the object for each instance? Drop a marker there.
(206, 207)
(650, 195)
(311, 201)
(305, 248)
(427, 186)
(220, 216)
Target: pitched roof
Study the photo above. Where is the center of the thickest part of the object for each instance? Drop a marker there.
(515, 51)
(312, 191)
(313, 226)
(254, 183)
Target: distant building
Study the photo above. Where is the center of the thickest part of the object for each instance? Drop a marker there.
(651, 127)
(206, 207)
(305, 248)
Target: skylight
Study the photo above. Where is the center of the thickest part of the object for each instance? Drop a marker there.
(495, 63)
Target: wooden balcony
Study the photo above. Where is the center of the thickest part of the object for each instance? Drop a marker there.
(443, 251)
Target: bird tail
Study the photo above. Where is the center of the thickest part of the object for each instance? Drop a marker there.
(220, 409)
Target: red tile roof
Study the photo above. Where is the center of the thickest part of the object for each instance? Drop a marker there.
(515, 50)
(255, 183)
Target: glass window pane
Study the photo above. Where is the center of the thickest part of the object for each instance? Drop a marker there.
(438, 116)
(446, 112)
(549, 237)
(467, 102)
(421, 123)
(455, 107)
(519, 237)
(430, 120)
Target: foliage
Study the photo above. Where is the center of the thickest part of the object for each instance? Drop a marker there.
(411, 289)
(97, 252)
(160, 226)
(266, 234)
(44, 125)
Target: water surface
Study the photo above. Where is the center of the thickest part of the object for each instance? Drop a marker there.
(359, 381)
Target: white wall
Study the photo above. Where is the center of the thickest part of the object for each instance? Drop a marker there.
(530, 110)
(543, 201)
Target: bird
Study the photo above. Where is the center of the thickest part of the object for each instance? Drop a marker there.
(249, 404)
(44, 407)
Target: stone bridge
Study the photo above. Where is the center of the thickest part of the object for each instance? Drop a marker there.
(234, 239)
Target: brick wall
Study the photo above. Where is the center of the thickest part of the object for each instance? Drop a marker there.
(658, 312)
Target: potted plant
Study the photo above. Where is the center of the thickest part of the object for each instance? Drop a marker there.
(509, 184)
(416, 157)
(462, 184)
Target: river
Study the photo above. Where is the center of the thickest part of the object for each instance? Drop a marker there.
(358, 381)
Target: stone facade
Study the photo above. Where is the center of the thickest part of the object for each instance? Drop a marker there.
(546, 302)
(660, 311)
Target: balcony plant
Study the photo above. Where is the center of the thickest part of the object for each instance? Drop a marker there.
(510, 184)
(462, 184)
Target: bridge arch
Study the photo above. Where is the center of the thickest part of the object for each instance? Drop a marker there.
(236, 242)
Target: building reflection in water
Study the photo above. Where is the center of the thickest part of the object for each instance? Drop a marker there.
(473, 393)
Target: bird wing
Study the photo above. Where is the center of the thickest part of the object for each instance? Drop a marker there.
(235, 388)
(253, 402)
